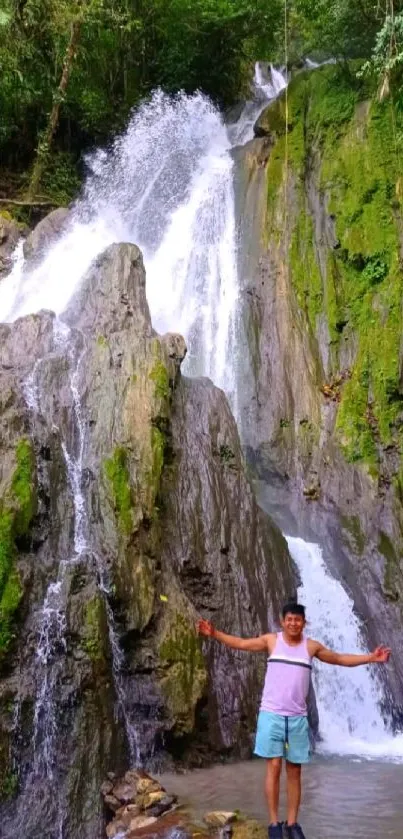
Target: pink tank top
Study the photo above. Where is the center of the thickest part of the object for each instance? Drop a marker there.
(287, 681)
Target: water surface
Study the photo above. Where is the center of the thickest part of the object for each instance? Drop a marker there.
(356, 798)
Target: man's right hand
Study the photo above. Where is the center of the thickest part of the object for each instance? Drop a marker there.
(205, 628)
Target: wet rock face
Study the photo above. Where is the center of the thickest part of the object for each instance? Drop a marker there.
(229, 559)
(9, 236)
(125, 512)
(45, 233)
(321, 432)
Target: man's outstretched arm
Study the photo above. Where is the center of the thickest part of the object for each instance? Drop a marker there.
(254, 645)
(380, 655)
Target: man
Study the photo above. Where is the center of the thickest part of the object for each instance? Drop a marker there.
(282, 727)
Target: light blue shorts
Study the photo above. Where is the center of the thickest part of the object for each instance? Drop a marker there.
(278, 736)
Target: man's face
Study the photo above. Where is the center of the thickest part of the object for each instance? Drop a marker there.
(293, 625)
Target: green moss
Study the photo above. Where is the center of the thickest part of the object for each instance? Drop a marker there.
(159, 375)
(17, 510)
(185, 677)
(273, 119)
(351, 149)
(275, 175)
(102, 341)
(8, 786)
(10, 584)
(362, 178)
(117, 472)
(353, 527)
(94, 629)
(306, 277)
(22, 487)
(392, 574)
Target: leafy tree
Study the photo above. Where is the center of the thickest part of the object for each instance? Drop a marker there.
(72, 69)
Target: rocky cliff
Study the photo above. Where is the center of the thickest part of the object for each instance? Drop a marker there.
(320, 217)
(125, 512)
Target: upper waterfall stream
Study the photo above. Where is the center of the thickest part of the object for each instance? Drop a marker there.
(167, 185)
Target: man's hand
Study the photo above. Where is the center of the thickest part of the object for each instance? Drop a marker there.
(381, 655)
(205, 628)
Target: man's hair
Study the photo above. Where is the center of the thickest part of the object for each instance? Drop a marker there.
(293, 608)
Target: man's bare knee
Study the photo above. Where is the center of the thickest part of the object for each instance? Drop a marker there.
(293, 769)
(274, 765)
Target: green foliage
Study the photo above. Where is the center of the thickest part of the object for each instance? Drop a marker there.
(226, 454)
(375, 270)
(60, 178)
(124, 52)
(117, 472)
(336, 28)
(387, 55)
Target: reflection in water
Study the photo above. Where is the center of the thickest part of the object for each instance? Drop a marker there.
(356, 799)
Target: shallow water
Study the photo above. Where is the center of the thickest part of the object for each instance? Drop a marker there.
(341, 797)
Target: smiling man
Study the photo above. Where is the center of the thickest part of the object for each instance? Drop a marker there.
(282, 726)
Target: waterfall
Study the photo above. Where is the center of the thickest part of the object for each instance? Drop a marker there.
(167, 185)
(348, 698)
(167, 182)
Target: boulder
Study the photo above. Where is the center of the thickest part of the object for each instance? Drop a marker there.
(152, 798)
(219, 818)
(46, 232)
(165, 803)
(112, 803)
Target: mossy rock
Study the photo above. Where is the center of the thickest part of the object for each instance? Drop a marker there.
(272, 122)
(392, 580)
(17, 509)
(95, 629)
(185, 674)
(347, 148)
(116, 469)
(160, 376)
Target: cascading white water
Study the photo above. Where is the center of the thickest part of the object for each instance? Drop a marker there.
(267, 84)
(52, 644)
(348, 698)
(167, 185)
(52, 622)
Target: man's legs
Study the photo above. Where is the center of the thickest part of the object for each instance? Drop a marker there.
(272, 787)
(293, 791)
